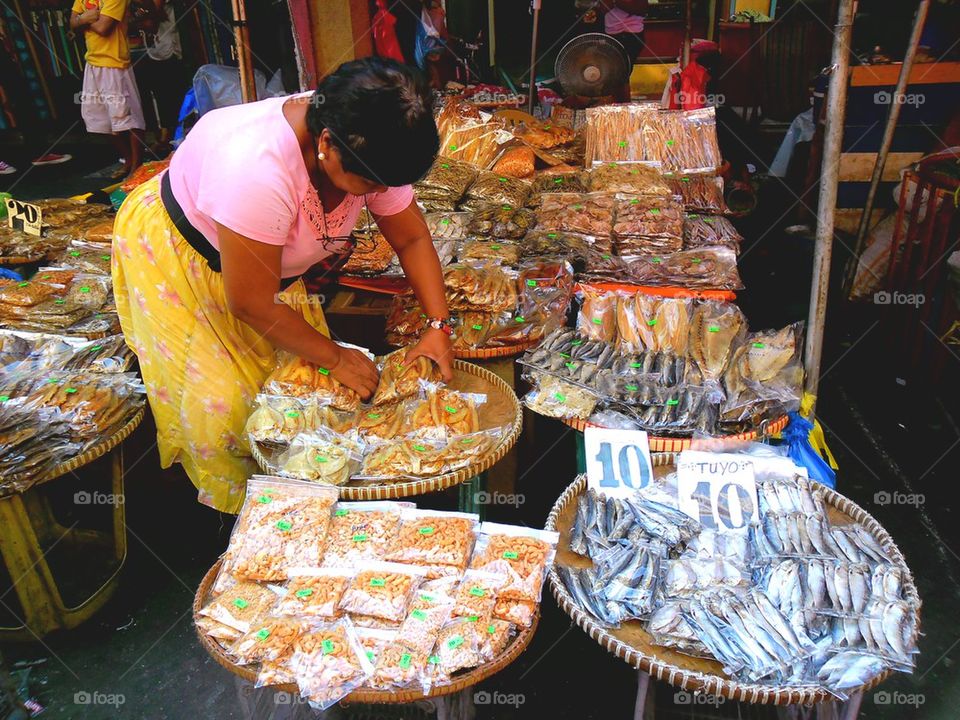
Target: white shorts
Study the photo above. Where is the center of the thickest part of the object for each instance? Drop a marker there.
(110, 100)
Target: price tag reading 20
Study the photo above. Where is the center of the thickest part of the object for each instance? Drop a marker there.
(717, 489)
(618, 461)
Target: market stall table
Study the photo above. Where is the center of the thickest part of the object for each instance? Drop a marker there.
(28, 531)
(633, 644)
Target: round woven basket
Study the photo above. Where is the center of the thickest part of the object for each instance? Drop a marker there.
(491, 353)
(438, 483)
(674, 445)
(364, 695)
(97, 451)
(632, 644)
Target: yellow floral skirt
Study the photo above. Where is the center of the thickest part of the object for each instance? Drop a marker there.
(202, 366)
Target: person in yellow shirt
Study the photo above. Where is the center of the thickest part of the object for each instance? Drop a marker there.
(109, 100)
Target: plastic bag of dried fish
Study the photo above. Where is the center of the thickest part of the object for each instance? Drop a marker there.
(765, 374)
(574, 247)
(489, 187)
(597, 319)
(322, 456)
(700, 194)
(554, 183)
(716, 329)
(612, 132)
(669, 628)
(504, 252)
(447, 180)
(651, 218)
(555, 398)
(587, 213)
(481, 285)
(468, 134)
(447, 225)
(501, 221)
(709, 230)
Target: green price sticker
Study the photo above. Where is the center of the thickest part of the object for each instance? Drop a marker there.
(241, 603)
(597, 321)
(759, 345)
(360, 537)
(503, 179)
(321, 458)
(70, 390)
(673, 401)
(656, 260)
(23, 284)
(636, 365)
(377, 582)
(434, 659)
(283, 525)
(670, 143)
(506, 207)
(551, 235)
(305, 592)
(370, 656)
(95, 348)
(4, 398)
(651, 323)
(445, 221)
(492, 629)
(560, 396)
(292, 414)
(405, 661)
(450, 409)
(104, 257)
(654, 211)
(495, 247)
(634, 172)
(510, 555)
(565, 355)
(426, 531)
(478, 591)
(327, 647)
(695, 261)
(445, 166)
(635, 201)
(455, 642)
(264, 499)
(520, 319)
(453, 148)
(709, 221)
(341, 513)
(74, 254)
(477, 327)
(531, 283)
(578, 207)
(558, 181)
(263, 634)
(473, 618)
(622, 143)
(427, 597)
(713, 328)
(605, 257)
(467, 441)
(571, 365)
(632, 388)
(61, 301)
(84, 289)
(323, 371)
(420, 448)
(373, 416)
(577, 343)
(418, 615)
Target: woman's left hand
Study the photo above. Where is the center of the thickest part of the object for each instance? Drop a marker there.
(436, 345)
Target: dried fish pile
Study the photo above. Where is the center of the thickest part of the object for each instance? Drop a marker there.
(796, 602)
(709, 231)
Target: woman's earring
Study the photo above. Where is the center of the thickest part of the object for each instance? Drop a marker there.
(321, 156)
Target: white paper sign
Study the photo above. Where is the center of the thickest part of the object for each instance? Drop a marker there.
(618, 461)
(718, 489)
(24, 216)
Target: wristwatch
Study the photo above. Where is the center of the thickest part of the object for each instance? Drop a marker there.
(440, 324)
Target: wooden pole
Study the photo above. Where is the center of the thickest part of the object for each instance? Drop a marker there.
(248, 83)
(41, 77)
(827, 202)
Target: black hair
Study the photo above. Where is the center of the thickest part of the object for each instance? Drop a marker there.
(379, 114)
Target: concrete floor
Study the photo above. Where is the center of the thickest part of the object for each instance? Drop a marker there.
(887, 436)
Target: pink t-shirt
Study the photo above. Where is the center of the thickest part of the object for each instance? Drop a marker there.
(618, 21)
(241, 166)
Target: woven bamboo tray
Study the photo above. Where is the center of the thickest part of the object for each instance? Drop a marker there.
(674, 445)
(475, 379)
(632, 644)
(364, 695)
(491, 353)
(96, 451)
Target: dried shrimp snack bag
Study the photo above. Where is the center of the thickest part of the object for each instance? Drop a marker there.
(242, 605)
(495, 638)
(266, 640)
(429, 537)
(708, 267)
(522, 555)
(321, 456)
(480, 286)
(302, 378)
(700, 194)
(501, 221)
(448, 411)
(501, 251)
(709, 230)
(490, 187)
(588, 214)
(468, 134)
(282, 524)
(517, 162)
(314, 592)
(399, 381)
(447, 179)
(429, 611)
(373, 641)
(370, 622)
(370, 256)
(223, 634)
(597, 319)
(477, 594)
(544, 184)
(629, 178)
(398, 666)
(329, 663)
(458, 648)
(447, 225)
(361, 531)
(381, 589)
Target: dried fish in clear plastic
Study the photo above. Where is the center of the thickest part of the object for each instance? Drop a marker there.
(489, 187)
(554, 183)
(501, 221)
(613, 132)
(709, 230)
(467, 134)
(639, 178)
(648, 225)
(502, 251)
(447, 225)
(700, 194)
(589, 214)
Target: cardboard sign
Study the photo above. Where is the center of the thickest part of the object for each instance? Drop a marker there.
(718, 489)
(618, 461)
(24, 216)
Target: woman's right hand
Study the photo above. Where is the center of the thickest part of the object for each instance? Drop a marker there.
(356, 371)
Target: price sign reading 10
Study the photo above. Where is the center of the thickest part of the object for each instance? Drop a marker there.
(618, 461)
(718, 490)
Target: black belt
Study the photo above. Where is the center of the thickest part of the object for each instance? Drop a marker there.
(193, 236)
